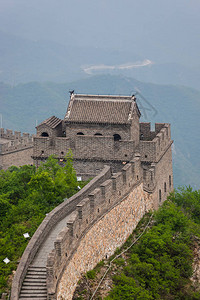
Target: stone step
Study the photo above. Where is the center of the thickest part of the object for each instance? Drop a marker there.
(35, 276)
(36, 272)
(35, 283)
(36, 267)
(33, 296)
(42, 280)
(28, 297)
(28, 287)
(34, 291)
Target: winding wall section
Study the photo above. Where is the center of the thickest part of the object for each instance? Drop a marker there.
(99, 219)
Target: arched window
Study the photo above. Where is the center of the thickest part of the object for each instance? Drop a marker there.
(98, 134)
(44, 134)
(117, 137)
(80, 133)
(165, 187)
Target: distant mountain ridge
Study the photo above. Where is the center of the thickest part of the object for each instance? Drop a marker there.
(25, 105)
(23, 60)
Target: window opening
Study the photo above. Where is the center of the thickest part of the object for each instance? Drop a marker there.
(45, 134)
(117, 137)
(98, 134)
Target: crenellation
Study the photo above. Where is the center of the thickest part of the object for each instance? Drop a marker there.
(84, 212)
(72, 223)
(92, 209)
(2, 132)
(158, 127)
(127, 172)
(137, 170)
(118, 183)
(15, 149)
(107, 190)
(9, 134)
(17, 135)
(95, 201)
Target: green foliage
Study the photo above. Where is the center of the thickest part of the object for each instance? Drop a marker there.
(91, 274)
(189, 201)
(26, 195)
(160, 264)
(119, 261)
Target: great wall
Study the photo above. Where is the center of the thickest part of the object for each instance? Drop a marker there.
(131, 166)
(15, 148)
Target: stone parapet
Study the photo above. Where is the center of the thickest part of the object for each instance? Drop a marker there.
(88, 212)
(152, 150)
(10, 142)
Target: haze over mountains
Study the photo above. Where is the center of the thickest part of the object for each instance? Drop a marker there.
(44, 40)
(105, 47)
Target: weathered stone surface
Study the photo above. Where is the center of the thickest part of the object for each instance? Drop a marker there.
(15, 149)
(103, 238)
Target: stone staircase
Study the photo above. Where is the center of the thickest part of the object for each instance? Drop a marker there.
(34, 284)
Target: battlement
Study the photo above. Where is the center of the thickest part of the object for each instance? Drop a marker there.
(153, 144)
(10, 141)
(88, 211)
(15, 148)
(16, 135)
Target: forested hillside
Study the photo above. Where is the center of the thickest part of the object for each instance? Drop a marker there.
(157, 263)
(26, 105)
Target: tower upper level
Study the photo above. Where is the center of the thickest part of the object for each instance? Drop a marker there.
(101, 109)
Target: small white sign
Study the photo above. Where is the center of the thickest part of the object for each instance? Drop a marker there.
(26, 235)
(6, 260)
(79, 178)
(79, 187)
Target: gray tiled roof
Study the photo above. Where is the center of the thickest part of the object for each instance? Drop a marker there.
(100, 109)
(52, 122)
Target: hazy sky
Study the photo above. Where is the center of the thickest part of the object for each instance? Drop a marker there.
(166, 30)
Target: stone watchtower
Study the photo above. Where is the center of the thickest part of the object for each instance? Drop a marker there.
(106, 130)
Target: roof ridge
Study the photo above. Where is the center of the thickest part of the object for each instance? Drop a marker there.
(51, 122)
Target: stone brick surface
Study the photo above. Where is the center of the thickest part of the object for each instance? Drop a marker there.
(16, 149)
(103, 238)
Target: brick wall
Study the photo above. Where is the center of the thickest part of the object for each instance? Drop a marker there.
(16, 158)
(101, 241)
(153, 150)
(104, 129)
(101, 222)
(15, 148)
(164, 178)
